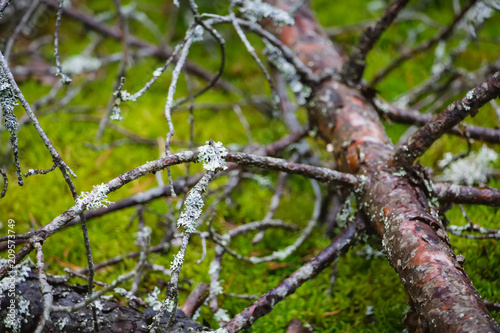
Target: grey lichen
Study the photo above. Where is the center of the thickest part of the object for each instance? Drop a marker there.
(8, 102)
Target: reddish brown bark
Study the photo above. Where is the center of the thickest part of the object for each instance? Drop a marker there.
(397, 205)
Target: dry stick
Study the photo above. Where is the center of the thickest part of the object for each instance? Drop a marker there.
(452, 193)
(63, 167)
(414, 117)
(20, 26)
(353, 68)
(120, 78)
(19, 95)
(82, 276)
(443, 35)
(144, 241)
(421, 140)
(195, 299)
(492, 306)
(307, 272)
(222, 44)
(45, 288)
(170, 99)
(488, 234)
(165, 191)
(321, 174)
(65, 79)
(273, 205)
(220, 249)
(284, 253)
(244, 122)
(306, 74)
(250, 48)
(162, 247)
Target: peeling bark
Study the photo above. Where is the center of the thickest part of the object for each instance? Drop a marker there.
(397, 204)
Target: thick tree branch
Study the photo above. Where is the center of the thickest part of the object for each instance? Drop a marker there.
(413, 237)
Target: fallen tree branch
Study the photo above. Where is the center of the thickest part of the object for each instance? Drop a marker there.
(397, 205)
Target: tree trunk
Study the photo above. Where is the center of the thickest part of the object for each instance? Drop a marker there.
(397, 202)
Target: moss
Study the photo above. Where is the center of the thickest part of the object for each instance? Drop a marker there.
(361, 283)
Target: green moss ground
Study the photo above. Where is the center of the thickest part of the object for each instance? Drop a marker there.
(361, 282)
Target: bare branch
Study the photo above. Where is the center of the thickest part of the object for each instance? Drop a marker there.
(353, 68)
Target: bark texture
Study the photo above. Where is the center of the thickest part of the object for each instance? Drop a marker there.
(112, 316)
(398, 204)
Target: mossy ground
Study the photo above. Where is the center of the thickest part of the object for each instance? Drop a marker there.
(361, 282)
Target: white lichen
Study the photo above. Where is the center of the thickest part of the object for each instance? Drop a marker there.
(192, 211)
(15, 276)
(176, 264)
(215, 288)
(287, 70)
(152, 299)
(477, 15)
(143, 235)
(62, 322)
(126, 96)
(221, 315)
(95, 199)
(470, 170)
(7, 103)
(208, 156)
(255, 10)
(198, 33)
(79, 64)
(116, 113)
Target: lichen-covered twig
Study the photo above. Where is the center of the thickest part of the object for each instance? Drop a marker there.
(65, 79)
(45, 288)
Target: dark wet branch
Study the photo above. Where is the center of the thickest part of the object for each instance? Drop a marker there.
(112, 316)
